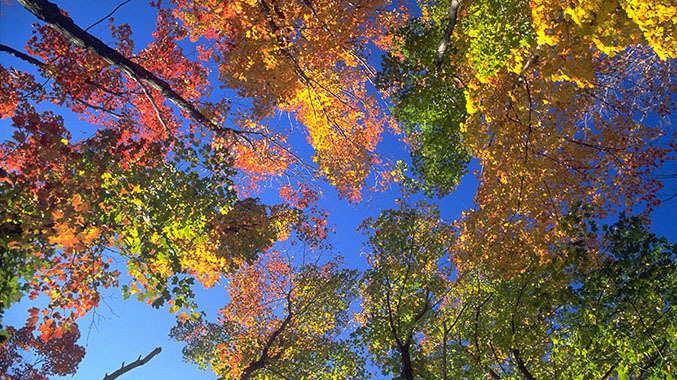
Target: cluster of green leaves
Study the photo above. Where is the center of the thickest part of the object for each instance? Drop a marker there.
(621, 315)
(491, 30)
(182, 221)
(429, 107)
(15, 265)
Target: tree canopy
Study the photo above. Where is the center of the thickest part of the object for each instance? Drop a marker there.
(189, 177)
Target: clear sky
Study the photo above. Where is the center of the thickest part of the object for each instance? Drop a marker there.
(122, 330)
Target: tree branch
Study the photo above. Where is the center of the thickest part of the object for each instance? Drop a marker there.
(453, 8)
(51, 14)
(264, 358)
(22, 56)
(36, 62)
(520, 364)
(136, 363)
(108, 15)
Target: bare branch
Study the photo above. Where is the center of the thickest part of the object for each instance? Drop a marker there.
(136, 363)
(453, 8)
(108, 15)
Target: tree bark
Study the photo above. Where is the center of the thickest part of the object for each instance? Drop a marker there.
(521, 365)
(407, 369)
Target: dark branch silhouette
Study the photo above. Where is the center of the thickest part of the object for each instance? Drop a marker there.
(136, 363)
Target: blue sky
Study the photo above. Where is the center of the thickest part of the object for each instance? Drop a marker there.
(121, 330)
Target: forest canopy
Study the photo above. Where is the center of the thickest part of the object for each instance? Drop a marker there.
(218, 156)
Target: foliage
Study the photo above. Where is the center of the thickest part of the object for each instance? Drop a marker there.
(146, 187)
(404, 286)
(621, 318)
(556, 101)
(429, 106)
(56, 356)
(166, 222)
(280, 322)
(552, 114)
(308, 59)
(576, 317)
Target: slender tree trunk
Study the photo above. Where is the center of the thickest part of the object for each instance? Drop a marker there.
(444, 350)
(521, 365)
(407, 369)
(453, 10)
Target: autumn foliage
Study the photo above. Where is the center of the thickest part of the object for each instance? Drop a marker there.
(563, 106)
(56, 355)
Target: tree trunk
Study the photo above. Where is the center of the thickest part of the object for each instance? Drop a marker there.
(407, 369)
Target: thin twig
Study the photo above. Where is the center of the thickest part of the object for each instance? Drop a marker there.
(108, 15)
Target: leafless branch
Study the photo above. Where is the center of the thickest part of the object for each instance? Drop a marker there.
(136, 363)
(108, 15)
(453, 8)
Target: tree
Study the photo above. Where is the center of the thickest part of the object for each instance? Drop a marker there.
(430, 108)
(577, 317)
(281, 322)
(271, 53)
(607, 314)
(405, 285)
(622, 316)
(309, 59)
(74, 209)
(159, 191)
(57, 356)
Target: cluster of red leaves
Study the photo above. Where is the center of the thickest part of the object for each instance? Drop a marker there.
(58, 356)
(57, 184)
(303, 215)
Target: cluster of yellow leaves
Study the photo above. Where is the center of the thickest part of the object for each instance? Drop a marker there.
(544, 148)
(344, 126)
(308, 59)
(561, 124)
(613, 25)
(608, 26)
